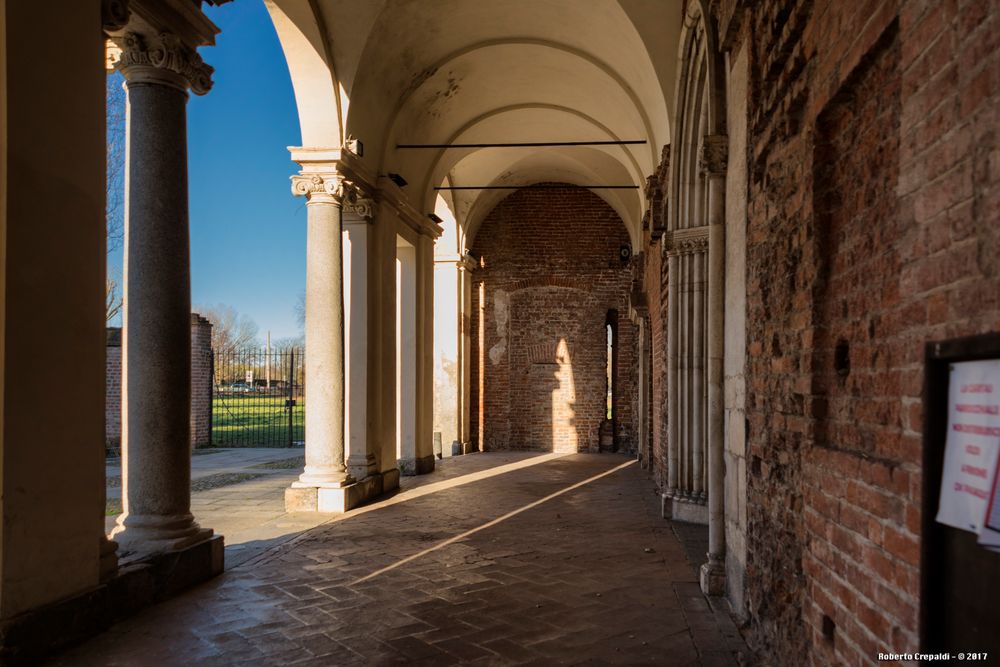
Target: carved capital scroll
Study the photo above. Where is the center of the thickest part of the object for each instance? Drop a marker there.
(163, 59)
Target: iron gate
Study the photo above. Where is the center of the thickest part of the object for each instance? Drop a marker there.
(258, 397)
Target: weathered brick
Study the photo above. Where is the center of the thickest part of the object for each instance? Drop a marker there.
(551, 276)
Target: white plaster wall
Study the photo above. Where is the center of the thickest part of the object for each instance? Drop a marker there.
(446, 360)
(53, 338)
(734, 363)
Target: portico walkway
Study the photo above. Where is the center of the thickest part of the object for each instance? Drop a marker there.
(493, 559)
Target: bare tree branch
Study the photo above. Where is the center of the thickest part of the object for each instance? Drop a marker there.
(115, 211)
(300, 311)
(230, 330)
(115, 182)
(112, 300)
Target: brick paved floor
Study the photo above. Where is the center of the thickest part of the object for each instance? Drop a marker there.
(543, 560)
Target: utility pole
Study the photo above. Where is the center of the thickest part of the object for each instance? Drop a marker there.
(267, 363)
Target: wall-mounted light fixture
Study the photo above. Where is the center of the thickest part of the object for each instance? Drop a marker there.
(435, 218)
(355, 146)
(397, 179)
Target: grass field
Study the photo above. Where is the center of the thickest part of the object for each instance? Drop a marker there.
(253, 420)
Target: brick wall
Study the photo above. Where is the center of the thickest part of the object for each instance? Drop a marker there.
(872, 228)
(201, 385)
(552, 273)
(113, 390)
(201, 381)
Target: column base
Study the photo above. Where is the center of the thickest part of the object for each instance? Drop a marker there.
(713, 577)
(141, 535)
(337, 500)
(362, 466)
(323, 480)
(680, 509)
(417, 466)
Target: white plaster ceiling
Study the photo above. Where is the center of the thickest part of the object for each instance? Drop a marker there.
(477, 71)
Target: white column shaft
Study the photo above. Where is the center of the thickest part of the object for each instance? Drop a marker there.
(324, 345)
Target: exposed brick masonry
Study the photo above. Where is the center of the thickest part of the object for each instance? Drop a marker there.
(201, 385)
(873, 200)
(552, 273)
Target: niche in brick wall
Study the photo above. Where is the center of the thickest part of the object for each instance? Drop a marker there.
(855, 171)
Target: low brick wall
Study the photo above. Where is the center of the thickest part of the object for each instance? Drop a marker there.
(201, 385)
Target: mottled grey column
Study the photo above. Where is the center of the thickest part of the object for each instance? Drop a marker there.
(324, 333)
(156, 368)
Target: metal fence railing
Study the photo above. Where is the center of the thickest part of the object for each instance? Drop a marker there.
(258, 397)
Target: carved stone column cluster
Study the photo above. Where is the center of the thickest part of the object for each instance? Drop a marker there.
(695, 250)
(687, 415)
(159, 67)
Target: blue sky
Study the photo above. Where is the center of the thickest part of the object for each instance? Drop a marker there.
(248, 233)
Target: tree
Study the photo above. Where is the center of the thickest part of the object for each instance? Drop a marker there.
(112, 300)
(300, 311)
(230, 330)
(115, 182)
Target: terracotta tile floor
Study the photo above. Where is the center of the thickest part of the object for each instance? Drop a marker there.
(493, 559)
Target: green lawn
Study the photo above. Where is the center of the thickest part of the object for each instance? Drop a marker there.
(252, 420)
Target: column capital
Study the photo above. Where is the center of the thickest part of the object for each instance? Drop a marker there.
(156, 41)
(714, 156)
(360, 208)
(333, 176)
(464, 262)
(467, 263)
(316, 185)
(162, 59)
(333, 188)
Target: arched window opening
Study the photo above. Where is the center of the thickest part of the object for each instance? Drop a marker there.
(608, 430)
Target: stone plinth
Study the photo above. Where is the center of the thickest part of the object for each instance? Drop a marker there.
(679, 509)
(337, 500)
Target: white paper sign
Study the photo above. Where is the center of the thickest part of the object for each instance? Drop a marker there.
(989, 536)
(970, 457)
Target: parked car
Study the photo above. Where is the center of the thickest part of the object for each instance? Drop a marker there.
(240, 387)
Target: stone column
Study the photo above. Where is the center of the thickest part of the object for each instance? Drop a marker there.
(714, 160)
(156, 386)
(325, 467)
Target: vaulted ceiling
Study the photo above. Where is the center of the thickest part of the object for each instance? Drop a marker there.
(392, 72)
